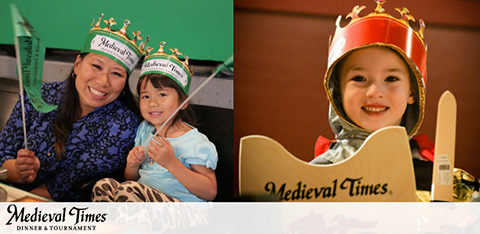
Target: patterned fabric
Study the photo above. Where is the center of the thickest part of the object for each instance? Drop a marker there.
(191, 148)
(98, 143)
(109, 190)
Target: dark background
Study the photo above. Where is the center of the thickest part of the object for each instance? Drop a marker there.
(281, 52)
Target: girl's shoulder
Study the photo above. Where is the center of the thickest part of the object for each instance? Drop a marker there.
(195, 148)
(192, 137)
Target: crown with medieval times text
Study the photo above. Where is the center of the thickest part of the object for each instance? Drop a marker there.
(116, 44)
(168, 65)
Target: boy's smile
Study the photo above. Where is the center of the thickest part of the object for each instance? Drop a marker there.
(375, 87)
(375, 109)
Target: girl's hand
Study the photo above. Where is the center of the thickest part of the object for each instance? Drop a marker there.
(161, 152)
(136, 156)
(27, 165)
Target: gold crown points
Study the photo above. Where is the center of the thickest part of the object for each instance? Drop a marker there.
(379, 10)
(122, 32)
(175, 53)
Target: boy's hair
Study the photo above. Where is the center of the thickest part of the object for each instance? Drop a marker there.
(163, 81)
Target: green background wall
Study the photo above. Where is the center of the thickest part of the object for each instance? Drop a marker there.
(203, 30)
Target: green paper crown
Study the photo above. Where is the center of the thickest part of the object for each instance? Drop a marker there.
(116, 44)
(169, 65)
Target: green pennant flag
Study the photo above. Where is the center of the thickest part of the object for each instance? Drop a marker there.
(30, 52)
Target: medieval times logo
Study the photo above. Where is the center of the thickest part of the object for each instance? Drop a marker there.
(352, 186)
(53, 219)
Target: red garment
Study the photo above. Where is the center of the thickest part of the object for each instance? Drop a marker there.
(426, 148)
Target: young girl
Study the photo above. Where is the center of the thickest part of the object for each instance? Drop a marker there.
(176, 165)
(376, 78)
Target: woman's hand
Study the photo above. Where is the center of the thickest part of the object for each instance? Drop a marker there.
(27, 165)
(161, 151)
(135, 157)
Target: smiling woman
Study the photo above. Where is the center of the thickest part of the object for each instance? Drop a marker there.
(91, 132)
(99, 81)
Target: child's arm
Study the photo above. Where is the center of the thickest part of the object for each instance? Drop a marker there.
(200, 181)
(135, 158)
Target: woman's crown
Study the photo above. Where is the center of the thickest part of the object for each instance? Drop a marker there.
(116, 44)
(137, 40)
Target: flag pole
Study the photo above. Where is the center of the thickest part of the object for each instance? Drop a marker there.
(184, 102)
(227, 64)
(17, 52)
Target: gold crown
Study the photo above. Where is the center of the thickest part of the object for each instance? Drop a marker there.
(116, 44)
(169, 65)
(380, 11)
(380, 27)
(174, 55)
(123, 32)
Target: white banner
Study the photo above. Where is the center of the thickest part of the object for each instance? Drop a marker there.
(239, 217)
(166, 66)
(115, 48)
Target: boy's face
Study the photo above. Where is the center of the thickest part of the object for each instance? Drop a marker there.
(375, 87)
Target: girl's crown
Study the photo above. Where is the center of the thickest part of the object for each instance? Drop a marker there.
(380, 28)
(116, 44)
(169, 65)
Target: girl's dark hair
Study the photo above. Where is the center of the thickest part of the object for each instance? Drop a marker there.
(162, 81)
(70, 110)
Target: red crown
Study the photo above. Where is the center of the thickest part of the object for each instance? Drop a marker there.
(381, 28)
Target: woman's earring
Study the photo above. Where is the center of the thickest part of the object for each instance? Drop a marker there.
(74, 76)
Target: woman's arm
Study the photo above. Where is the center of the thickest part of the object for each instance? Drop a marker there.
(42, 191)
(12, 176)
(22, 164)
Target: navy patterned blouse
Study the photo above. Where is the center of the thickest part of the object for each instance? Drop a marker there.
(98, 144)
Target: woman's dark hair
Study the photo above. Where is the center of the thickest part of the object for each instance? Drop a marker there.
(70, 110)
(161, 81)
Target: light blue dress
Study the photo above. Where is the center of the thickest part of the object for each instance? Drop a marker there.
(191, 148)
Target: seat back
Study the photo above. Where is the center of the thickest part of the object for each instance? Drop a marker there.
(9, 96)
(380, 171)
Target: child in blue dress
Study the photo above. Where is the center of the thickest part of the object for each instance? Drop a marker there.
(178, 163)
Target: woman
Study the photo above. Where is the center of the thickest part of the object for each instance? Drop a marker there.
(92, 131)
